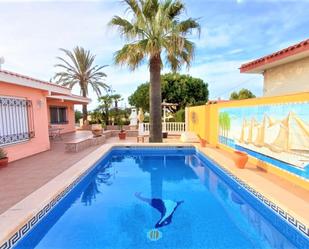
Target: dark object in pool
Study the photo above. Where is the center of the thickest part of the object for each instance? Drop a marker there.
(165, 207)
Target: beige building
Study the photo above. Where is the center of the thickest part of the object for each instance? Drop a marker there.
(285, 71)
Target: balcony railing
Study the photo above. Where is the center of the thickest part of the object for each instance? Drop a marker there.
(172, 128)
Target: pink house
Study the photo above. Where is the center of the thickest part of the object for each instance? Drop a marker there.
(28, 108)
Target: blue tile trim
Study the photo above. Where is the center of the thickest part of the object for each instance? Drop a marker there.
(18, 235)
(154, 147)
(273, 207)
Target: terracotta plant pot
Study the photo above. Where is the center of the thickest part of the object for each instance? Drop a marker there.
(203, 142)
(122, 135)
(240, 159)
(4, 162)
(97, 133)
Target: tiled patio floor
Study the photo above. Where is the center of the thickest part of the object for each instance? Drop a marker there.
(24, 176)
(292, 198)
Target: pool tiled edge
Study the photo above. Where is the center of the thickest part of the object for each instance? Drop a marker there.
(18, 220)
(289, 176)
(269, 202)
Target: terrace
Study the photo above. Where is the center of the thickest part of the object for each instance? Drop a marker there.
(233, 170)
(23, 177)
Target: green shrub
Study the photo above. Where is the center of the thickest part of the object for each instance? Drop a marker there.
(180, 115)
(146, 119)
(78, 116)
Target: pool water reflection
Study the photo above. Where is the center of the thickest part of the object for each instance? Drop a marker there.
(104, 212)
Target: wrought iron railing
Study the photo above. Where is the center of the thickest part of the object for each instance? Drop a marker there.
(16, 120)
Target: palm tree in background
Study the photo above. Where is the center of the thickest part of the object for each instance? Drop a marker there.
(153, 30)
(80, 70)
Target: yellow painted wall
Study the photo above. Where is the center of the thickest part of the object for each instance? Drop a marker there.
(206, 122)
(198, 123)
(207, 125)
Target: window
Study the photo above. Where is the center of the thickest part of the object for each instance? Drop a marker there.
(16, 120)
(58, 115)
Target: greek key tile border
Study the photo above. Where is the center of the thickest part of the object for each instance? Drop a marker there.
(18, 235)
(166, 147)
(275, 166)
(274, 207)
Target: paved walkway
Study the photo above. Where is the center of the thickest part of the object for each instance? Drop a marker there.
(288, 196)
(24, 176)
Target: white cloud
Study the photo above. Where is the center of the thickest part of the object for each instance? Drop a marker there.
(214, 37)
(236, 51)
(31, 34)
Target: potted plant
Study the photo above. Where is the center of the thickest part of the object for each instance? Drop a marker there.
(4, 160)
(203, 142)
(96, 130)
(240, 159)
(122, 134)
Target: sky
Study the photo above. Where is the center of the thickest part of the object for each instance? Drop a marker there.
(233, 32)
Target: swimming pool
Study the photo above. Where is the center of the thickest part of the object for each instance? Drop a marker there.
(161, 198)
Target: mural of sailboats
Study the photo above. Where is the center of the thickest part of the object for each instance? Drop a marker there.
(286, 140)
(279, 136)
(258, 133)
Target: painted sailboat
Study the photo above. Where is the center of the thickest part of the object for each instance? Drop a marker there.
(286, 140)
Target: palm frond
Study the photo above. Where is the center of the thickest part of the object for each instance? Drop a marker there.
(174, 8)
(134, 7)
(155, 28)
(187, 26)
(150, 8)
(78, 68)
(131, 54)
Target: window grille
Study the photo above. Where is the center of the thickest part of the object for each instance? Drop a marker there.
(58, 115)
(16, 120)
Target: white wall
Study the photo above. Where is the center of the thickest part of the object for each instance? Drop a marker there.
(288, 78)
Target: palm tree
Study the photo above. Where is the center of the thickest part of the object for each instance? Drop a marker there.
(225, 124)
(80, 70)
(153, 30)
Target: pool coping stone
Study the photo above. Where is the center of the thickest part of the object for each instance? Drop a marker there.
(20, 218)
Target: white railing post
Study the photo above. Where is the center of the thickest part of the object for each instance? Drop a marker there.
(175, 128)
(186, 118)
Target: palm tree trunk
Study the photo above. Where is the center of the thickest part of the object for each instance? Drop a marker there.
(85, 112)
(155, 100)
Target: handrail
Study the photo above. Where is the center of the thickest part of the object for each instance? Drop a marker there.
(174, 128)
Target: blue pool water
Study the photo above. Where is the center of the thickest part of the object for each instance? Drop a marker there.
(190, 200)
